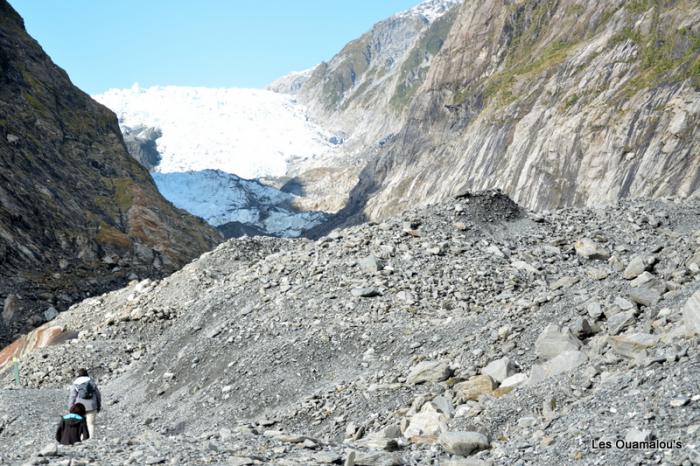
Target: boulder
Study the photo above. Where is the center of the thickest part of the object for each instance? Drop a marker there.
(589, 249)
(429, 371)
(499, 370)
(555, 340)
(367, 292)
(691, 314)
(429, 421)
(463, 443)
(636, 266)
(9, 308)
(51, 313)
(370, 264)
(564, 362)
(580, 327)
(473, 388)
(619, 321)
(514, 380)
(633, 346)
(645, 296)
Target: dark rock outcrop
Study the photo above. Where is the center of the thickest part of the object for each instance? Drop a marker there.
(78, 215)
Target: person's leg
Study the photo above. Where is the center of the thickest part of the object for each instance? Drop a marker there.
(90, 418)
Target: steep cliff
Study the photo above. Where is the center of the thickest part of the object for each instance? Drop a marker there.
(363, 94)
(365, 88)
(557, 102)
(78, 215)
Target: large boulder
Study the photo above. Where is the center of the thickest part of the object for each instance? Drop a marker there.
(429, 421)
(555, 340)
(499, 370)
(638, 265)
(473, 388)
(429, 371)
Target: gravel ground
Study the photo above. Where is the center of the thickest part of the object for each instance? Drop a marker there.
(469, 332)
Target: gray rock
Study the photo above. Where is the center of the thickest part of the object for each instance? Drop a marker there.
(624, 304)
(51, 313)
(50, 449)
(376, 458)
(514, 380)
(564, 282)
(10, 307)
(444, 405)
(636, 435)
(429, 371)
(594, 309)
(589, 249)
(619, 322)
(645, 296)
(633, 346)
(367, 292)
(580, 327)
(555, 340)
(564, 362)
(691, 314)
(499, 370)
(463, 443)
(635, 267)
(240, 461)
(598, 273)
(370, 264)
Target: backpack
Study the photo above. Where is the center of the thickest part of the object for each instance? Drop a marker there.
(86, 390)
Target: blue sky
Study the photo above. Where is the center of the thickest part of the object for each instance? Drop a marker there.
(221, 43)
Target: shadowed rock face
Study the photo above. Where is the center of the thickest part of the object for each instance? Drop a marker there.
(557, 103)
(78, 215)
(141, 143)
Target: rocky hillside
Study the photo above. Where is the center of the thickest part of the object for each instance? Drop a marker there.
(362, 95)
(365, 87)
(78, 215)
(468, 333)
(557, 102)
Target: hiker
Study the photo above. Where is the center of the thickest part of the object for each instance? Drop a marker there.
(73, 427)
(84, 391)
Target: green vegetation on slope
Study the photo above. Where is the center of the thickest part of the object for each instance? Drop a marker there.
(666, 53)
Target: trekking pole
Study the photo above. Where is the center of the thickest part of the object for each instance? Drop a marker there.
(15, 368)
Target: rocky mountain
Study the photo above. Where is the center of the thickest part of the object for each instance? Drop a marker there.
(470, 332)
(558, 103)
(364, 89)
(291, 83)
(78, 215)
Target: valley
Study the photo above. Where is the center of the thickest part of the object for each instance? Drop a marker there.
(471, 237)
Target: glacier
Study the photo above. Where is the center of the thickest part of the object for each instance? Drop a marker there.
(250, 132)
(222, 198)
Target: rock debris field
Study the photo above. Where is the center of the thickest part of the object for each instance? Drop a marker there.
(467, 333)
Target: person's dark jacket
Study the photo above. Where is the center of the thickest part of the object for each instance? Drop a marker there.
(71, 428)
